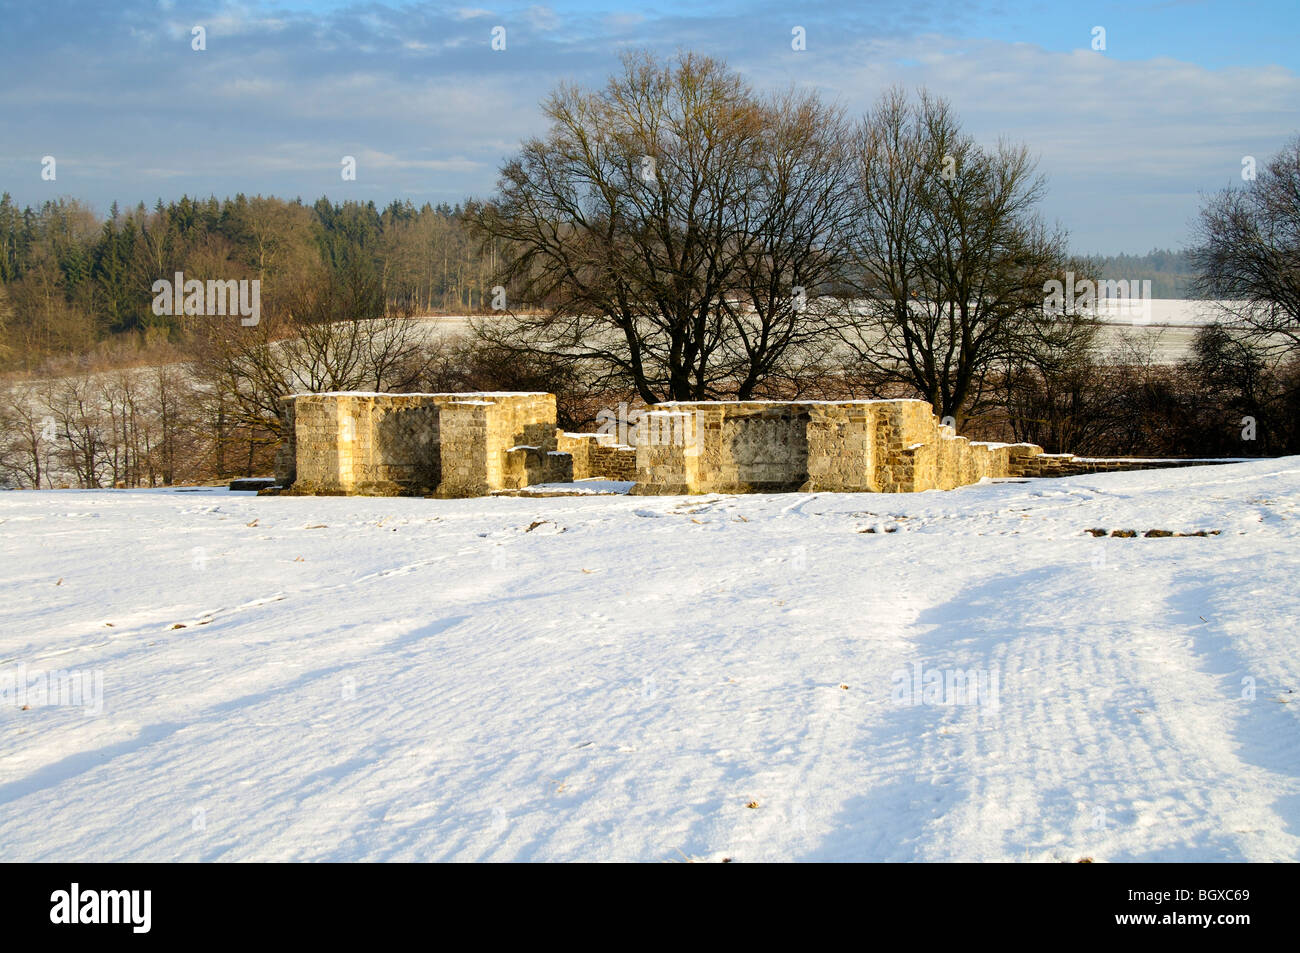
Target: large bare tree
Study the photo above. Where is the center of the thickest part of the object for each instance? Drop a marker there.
(950, 257)
(675, 228)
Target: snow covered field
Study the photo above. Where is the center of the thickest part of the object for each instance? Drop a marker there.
(1169, 323)
(621, 678)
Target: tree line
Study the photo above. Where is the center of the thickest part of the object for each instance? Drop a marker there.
(1171, 273)
(70, 282)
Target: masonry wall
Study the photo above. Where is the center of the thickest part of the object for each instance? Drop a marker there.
(463, 449)
(369, 444)
(886, 446)
(454, 445)
(665, 465)
(751, 447)
(578, 447)
(906, 458)
(723, 447)
(841, 448)
(411, 444)
(499, 442)
(1066, 464)
(598, 456)
(613, 462)
(286, 455)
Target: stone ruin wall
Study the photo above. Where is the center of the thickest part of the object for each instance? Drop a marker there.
(499, 442)
(460, 445)
(598, 456)
(286, 455)
(881, 446)
(421, 444)
(375, 445)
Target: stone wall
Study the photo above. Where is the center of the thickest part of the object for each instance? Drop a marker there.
(750, 447)
(667, 466)
(456, 445)
(598, 456)
(423, 444)
(368, 444)
(578, 447)
(463, 448)
(286, 455)
(613, 462)
(906, 434)
(499, 442)
(884, 446)
(1067, 464)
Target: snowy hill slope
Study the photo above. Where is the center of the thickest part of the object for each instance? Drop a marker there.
(621, 678)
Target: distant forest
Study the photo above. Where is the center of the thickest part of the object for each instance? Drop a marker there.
(71, 280)
(1171, 273)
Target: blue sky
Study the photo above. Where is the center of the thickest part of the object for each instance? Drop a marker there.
(1128, 137)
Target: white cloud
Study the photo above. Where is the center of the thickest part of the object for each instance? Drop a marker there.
(543, 19)
(1126, 144)
(622, 21)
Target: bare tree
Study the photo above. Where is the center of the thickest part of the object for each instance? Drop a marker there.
(1049, 387)
(333, 335)
(673, 226)
(1248, 254)
(27, 438)
(172, 454)
(950, 255)
(80, 428)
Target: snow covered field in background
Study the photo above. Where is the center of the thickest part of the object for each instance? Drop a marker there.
(620, 678)
(1169, 325)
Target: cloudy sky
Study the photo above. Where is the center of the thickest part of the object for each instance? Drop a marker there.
(1128, 137)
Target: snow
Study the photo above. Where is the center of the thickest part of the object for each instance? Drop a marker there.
(587, 487)
(1212, 460)
(1169, 312)
(618, 678)
(1174, 312)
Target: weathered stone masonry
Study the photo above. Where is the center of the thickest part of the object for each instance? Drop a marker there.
(433, 444)
(598, 455)
(455, 445)
(882, 446)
